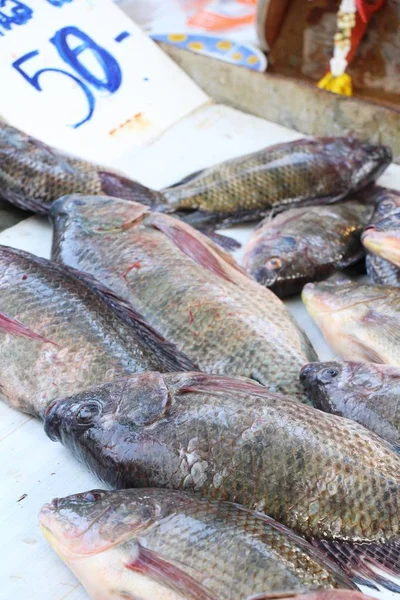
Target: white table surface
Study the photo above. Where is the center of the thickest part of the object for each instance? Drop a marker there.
(30, 463)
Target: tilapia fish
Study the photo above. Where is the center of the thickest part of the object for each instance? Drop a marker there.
(33, 175)
(323, 476)
(193, 293)
(360, 322)
(160, 544)
(382, 239)
(365, 392)
(293, 174)
(59, 336)
(306, 244)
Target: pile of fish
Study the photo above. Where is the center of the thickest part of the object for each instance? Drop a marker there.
(242, 468)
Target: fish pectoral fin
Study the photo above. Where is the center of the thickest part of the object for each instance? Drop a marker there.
(202, 382)
(196, 246)
(225, 242)
(14, 327)
(168, 354)
(274, 595)
(359, 559)
(164, 572)
(383, 324)
(369, 354)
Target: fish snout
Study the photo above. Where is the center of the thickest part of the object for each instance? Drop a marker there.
(52, 421)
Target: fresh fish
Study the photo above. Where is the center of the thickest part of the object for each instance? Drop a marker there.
(160, 544)
(306, 244)
(293, 174)
(365, 392)
(33, 175)
(317, 595)
(382, 239)
(186, 287)
(360, 322)
(59, 336)
(323, 476)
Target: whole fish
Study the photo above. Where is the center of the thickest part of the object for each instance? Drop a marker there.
(365, 392)
(293, 174)
(33, 175)
(382, 239)
(59, 336)
(186, 287)
(360, 322)
(306, 244)
(323, 476)
(160, 544)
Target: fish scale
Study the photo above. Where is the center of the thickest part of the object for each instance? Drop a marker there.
(323, 476)
(224, 322)
(200, 549)
(301, 173)
(89, 341)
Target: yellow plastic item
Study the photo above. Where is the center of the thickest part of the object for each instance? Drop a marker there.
(340, 84)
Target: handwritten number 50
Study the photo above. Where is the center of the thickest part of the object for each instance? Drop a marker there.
(112, 75)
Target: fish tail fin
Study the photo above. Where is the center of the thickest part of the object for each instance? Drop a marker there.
(369, 564)
(113, 184)
(16, 328)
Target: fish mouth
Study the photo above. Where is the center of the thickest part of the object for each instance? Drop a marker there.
(385, 244)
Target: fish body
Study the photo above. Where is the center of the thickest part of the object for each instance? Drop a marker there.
(165, 545)
(293, 174)
(364, 392)
(59, 336)
(33, 175)
(233, 440)
(360, 322)
(188, 289)
(306, 244)
(382, 239)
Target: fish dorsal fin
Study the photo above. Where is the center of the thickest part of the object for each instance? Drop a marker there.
(156, 567)
(14, 327)
(201, 382)
(197, 246)
(169, 355)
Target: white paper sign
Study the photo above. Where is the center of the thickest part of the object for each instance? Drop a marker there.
(81, 76)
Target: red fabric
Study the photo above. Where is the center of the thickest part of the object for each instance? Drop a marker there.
(365, 10)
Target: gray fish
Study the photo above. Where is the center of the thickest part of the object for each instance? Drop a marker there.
(59, 335)
(293, 174)
(306, 244)
(160, 544)
(186, 287)
(310, 171)
(382, 239)
(323, 476)
(365, 392)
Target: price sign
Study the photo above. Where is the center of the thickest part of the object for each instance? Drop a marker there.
(81, 76)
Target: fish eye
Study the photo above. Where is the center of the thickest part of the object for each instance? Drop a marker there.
(92, 496)
(274, 263)
(387, 204)
(327, 375)
(88, 412)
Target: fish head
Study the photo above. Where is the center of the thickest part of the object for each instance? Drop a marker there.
(343, 310)
(97, 414)
(90, 523)
(331, 384)
(383, 236)
(275, 261)
(367, 160)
